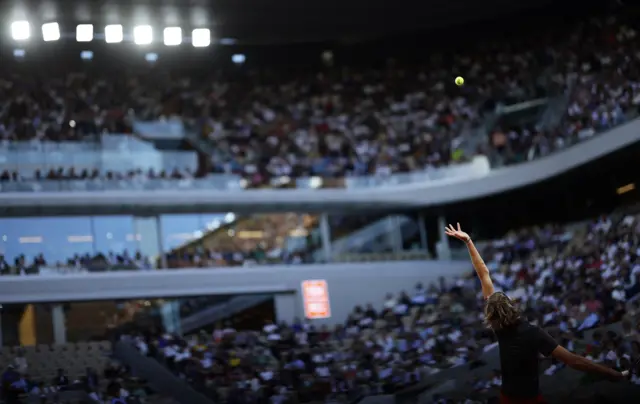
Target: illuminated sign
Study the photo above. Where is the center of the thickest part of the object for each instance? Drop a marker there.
(315, 297)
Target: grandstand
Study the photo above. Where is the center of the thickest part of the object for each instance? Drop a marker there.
(265, 223)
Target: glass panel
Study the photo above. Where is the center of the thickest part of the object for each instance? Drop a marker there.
(46, 147)
(147, 234)
(478, 167)
(27, 162)
(179, 229)
(56, 238)
(214, 182)
(114, 233)
(359, 237)
(171, 129)
(125, 142)
(212, 221)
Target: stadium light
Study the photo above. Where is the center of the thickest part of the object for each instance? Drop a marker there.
(201, 37)
(143, 35)
(172, 36)
(84, 33)
(238, 58)
(20, 30)
(50, 31)
(113, 33)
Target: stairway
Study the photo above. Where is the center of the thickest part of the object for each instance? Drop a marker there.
(474, 138)
(554, 113)
(198, 142)
(221, 311)
(158, 376)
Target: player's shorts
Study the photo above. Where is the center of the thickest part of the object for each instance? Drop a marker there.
(510, 400)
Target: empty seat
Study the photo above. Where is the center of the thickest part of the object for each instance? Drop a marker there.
(40, 348)
(44, 360)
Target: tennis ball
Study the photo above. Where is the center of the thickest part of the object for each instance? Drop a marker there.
(459, 81)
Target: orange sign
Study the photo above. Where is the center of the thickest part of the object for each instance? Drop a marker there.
(315, 297)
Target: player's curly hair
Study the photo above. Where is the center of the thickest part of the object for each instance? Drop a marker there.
(500, 312)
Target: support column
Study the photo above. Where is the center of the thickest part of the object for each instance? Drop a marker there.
(148, 236)
(176, 316)
(325, 237)
(163, 256)
(59, 324)
(422, 228)
(287, 307)
(170, 313)
(443, 249)
(394, 233)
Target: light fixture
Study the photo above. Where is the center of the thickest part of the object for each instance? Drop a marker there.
(50, 31)
(84, 33)
(172, 36)
(201, 37)
(20, 30)
(143, 35)
(113, 33)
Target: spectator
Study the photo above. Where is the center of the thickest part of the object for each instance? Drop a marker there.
(11, 385)
(339, 122)
(61, 381)
(20, 363)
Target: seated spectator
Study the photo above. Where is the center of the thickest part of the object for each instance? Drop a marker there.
(12, 385)
(434, 328)
(61, 381)
(20, 363)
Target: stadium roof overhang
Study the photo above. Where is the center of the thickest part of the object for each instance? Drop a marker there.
(259, 21)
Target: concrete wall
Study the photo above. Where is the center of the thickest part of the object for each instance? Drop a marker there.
(349, 284)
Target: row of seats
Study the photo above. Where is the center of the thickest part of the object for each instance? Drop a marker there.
(43, 361)
(372, 257)
(97, 346)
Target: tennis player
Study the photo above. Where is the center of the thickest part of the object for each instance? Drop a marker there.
(520, 342)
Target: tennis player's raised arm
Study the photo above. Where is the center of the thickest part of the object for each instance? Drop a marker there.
(476, 259)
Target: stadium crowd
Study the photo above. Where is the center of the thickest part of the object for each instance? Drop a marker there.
(66, 107)
(566, 280)
(602, 82)
(238, 256)
(78, 263)
(346, 122)
(342, 123)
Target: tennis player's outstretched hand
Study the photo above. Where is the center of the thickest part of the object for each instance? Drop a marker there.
(459, 234)
(620, 376)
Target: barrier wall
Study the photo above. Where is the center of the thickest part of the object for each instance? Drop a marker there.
(118, 153)
(382, 196)
(348, 284)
